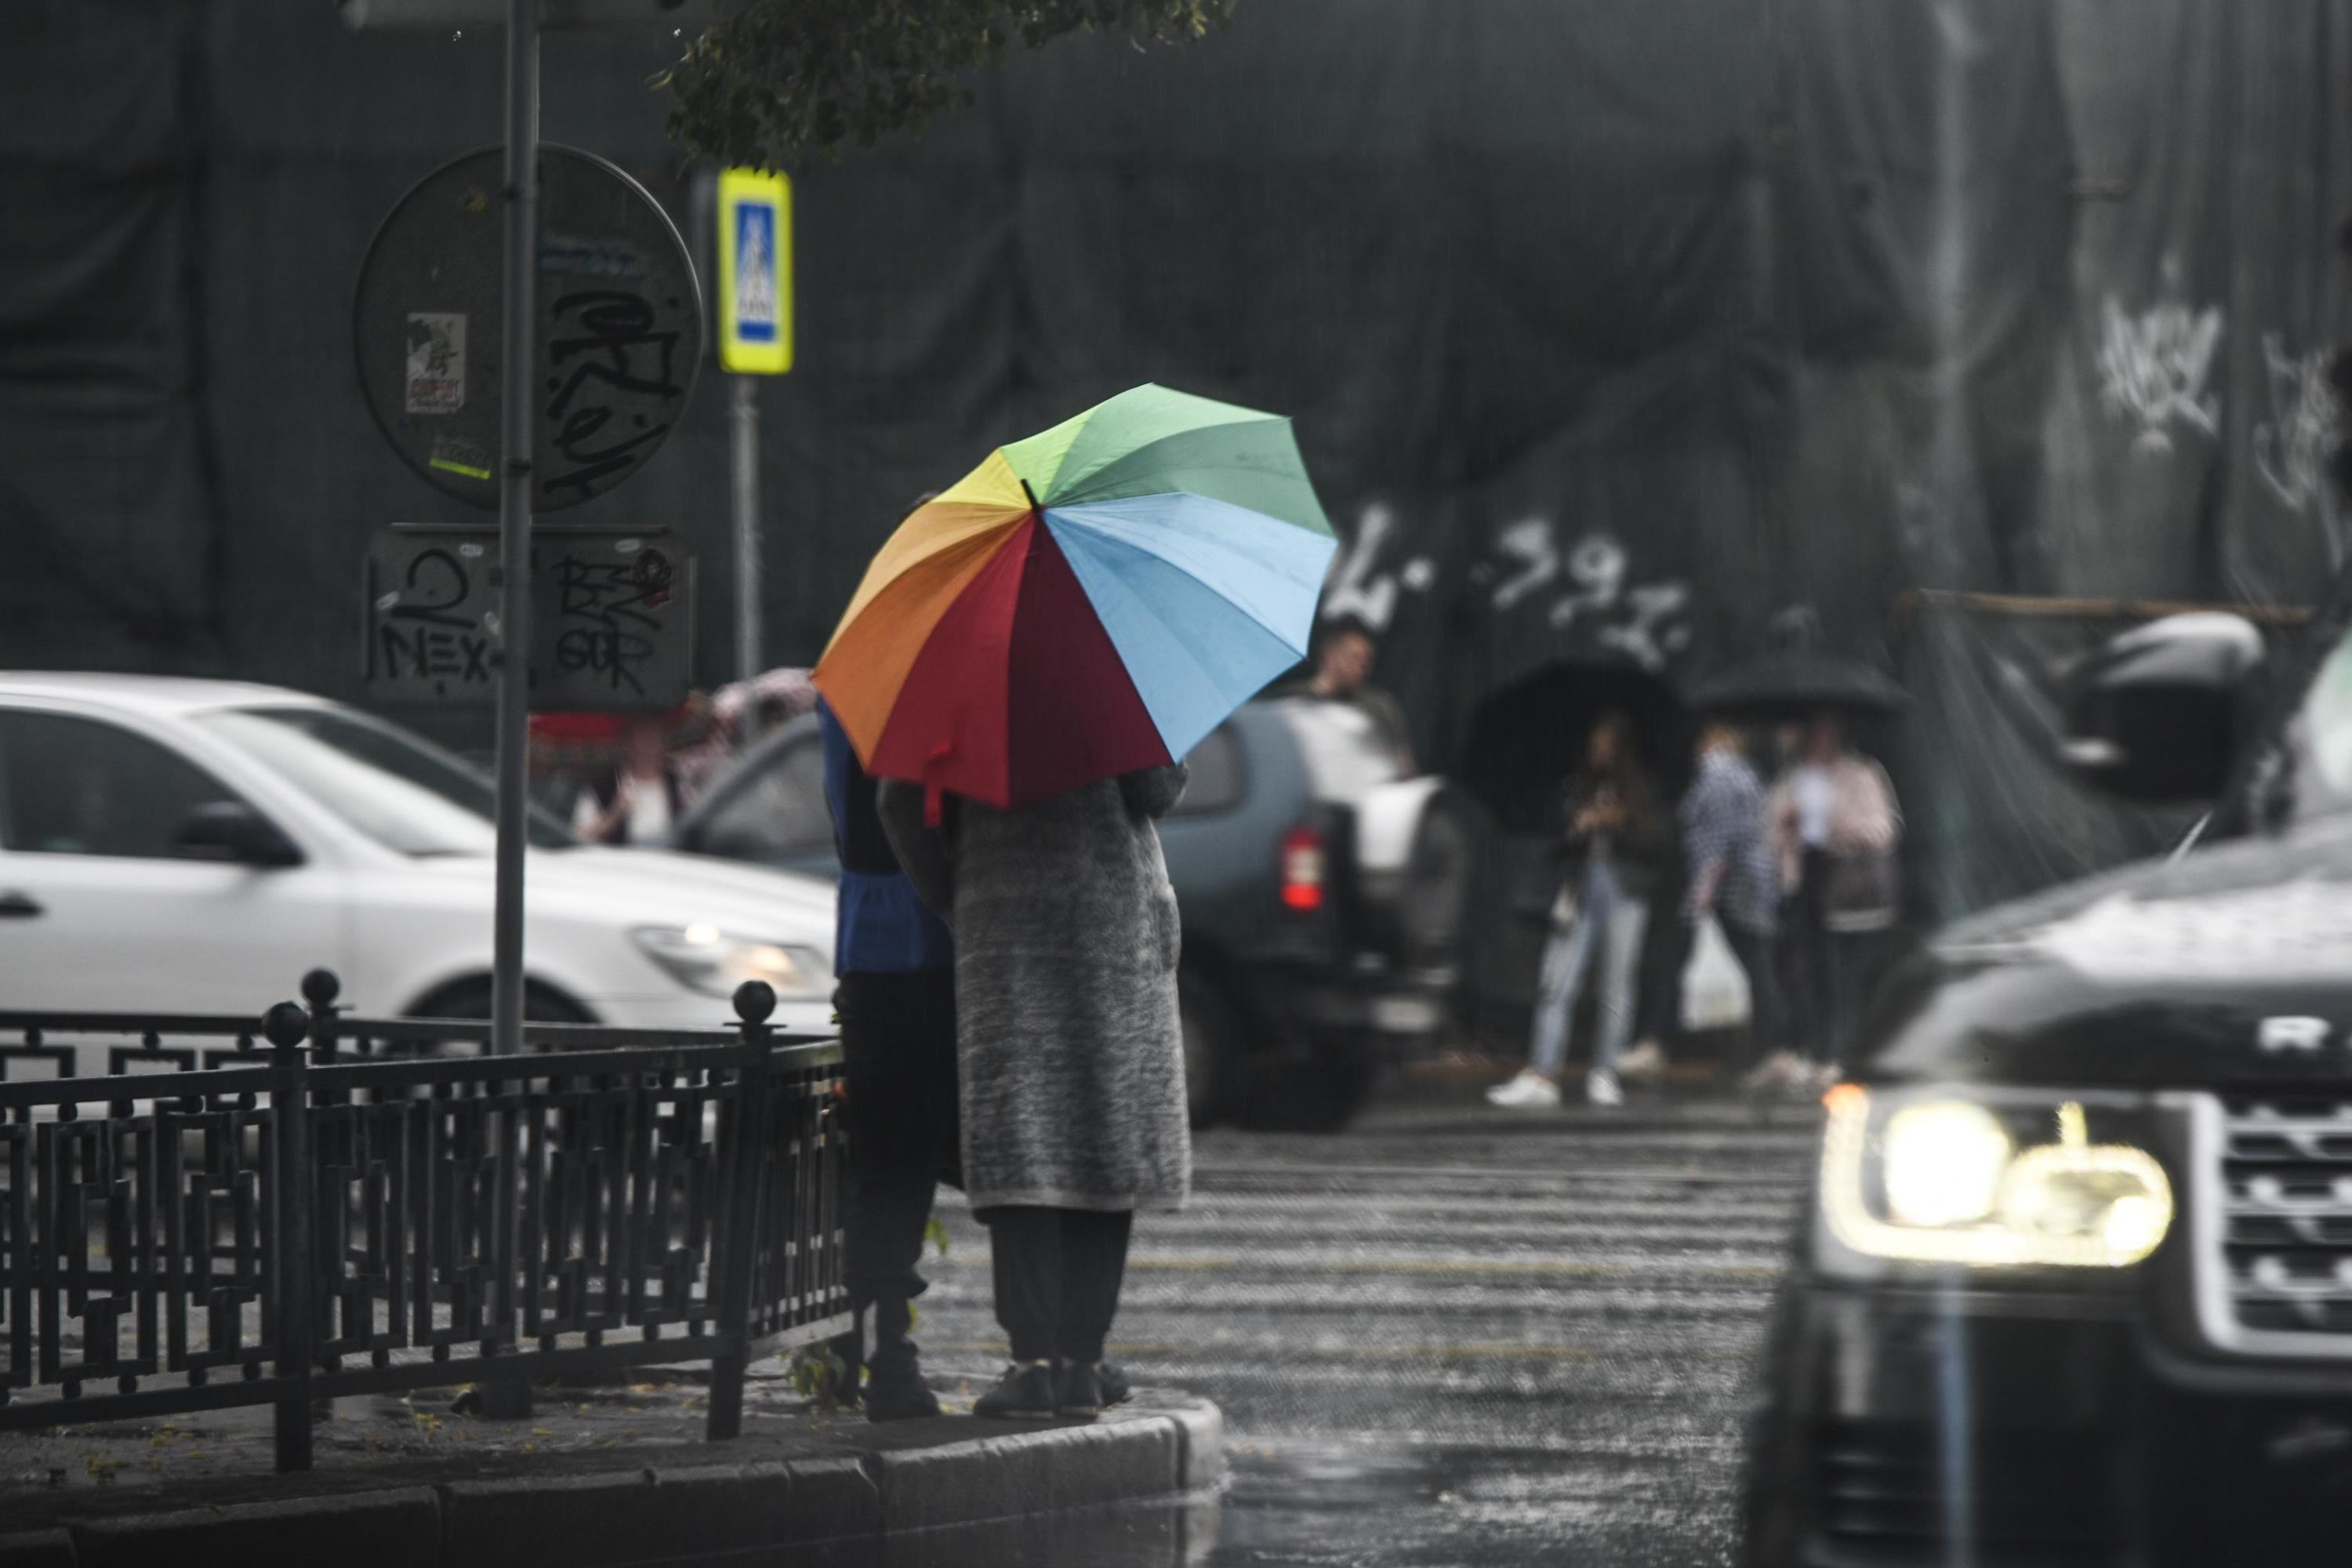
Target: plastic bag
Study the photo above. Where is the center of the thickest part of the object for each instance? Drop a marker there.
(1715, 988)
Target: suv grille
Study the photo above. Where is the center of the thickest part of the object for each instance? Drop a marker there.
(2274, 1225)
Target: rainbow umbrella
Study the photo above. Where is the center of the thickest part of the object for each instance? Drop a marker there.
(1089, 601)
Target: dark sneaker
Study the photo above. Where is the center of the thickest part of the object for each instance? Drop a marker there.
(1077, 1391)
(898, 1393)
(1026, 1394)
(1113, 1382)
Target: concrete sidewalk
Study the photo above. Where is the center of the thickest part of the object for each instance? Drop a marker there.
(603, 1477)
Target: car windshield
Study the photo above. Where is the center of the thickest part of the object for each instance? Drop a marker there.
(406, 794)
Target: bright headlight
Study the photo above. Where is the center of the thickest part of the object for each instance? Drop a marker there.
(704, 958)
(1943, 1161)
(1946, 1181)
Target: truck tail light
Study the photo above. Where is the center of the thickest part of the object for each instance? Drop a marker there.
(1302, 869)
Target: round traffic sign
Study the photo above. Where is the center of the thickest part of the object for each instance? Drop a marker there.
(619, 333)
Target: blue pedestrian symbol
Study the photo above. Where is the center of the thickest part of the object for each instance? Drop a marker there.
(755, 272)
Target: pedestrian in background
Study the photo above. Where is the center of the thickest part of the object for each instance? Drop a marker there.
(896, 999)
(1345, 650)
(1834, 831)
(1730, 873)
(635, 800)
(1612, 833)
(1069, 1054)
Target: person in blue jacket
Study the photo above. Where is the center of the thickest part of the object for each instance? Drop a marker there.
(895, 966)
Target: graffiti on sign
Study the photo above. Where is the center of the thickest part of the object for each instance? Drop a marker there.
(614, 373)
(618, 337)
(608, 611)
(612, 619)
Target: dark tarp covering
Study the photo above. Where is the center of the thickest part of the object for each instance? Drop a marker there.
(1615, 332)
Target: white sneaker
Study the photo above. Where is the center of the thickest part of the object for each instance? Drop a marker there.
(1600, 1087)
(1644, 1061)
(1530, 1091)
(1782, 1069)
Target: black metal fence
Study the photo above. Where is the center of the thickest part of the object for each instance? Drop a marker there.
(319, 1206)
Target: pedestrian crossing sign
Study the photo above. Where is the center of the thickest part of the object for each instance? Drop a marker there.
(755, 272)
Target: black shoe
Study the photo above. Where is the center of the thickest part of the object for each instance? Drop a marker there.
(1026, 1394)
(1077, 1391)
(1114, 1383)
(897, 1392)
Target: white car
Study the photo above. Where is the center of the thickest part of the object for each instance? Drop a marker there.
(170, 846)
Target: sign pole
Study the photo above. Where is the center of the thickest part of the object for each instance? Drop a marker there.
(746, 424)
(516, 400)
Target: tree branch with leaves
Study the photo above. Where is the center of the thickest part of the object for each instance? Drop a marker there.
(773, 80)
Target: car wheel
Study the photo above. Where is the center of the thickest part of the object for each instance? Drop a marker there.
(470, 999)
(1318, 1091)
(1211, 1039)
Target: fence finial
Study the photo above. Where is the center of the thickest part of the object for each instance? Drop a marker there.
(286, 1024)
(320, 988)
(755, 1000)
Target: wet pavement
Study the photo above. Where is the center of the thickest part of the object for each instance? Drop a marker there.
(1454, 1335)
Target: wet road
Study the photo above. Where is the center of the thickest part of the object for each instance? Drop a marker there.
(1454, 1335)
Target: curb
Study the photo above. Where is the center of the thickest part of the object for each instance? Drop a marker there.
(899, 1487)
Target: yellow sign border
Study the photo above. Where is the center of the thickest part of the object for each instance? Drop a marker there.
(736, 187)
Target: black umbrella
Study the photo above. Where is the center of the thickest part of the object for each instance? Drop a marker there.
(1526, 738)
(1789, 683)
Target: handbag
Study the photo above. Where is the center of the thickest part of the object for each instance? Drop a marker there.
(1715, 988)
(1862, 891)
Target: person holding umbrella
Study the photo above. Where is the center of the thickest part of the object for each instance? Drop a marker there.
(1023, 665)
(1614, 838)
(1830, 833)
(1834, 828)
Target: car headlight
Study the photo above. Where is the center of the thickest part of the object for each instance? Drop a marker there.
(1940, 1179)
(704, 958)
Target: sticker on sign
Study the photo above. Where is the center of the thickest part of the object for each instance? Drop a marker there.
(436, 363)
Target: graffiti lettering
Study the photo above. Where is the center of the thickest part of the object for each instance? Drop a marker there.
(611, 355)
(1528, 543)
(2291, 445)
(606, 610)
(2152, 369)
(436, 653)
(1589, 591)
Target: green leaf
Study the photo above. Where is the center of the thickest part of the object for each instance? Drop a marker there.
(775, 80)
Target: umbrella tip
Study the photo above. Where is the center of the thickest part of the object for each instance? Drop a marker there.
(1033, 498)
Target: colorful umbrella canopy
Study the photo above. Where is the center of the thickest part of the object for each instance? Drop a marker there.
(1088, 601)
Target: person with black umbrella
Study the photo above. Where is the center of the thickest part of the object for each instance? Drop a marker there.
(1833, 827)
(1831, 831)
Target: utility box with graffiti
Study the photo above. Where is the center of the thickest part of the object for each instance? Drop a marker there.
(611, 618)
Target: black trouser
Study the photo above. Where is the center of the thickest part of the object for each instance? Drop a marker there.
(899, 1056)
(1753, 949)
(1827, 973)
(1057, 1279)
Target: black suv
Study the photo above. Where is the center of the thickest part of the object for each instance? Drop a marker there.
(1323, 897)
(2076, 1285)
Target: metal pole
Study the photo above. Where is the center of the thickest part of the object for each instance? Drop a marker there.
(521, 197)
(746, 412)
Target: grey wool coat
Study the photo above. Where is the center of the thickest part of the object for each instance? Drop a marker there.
(1069, 1056)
